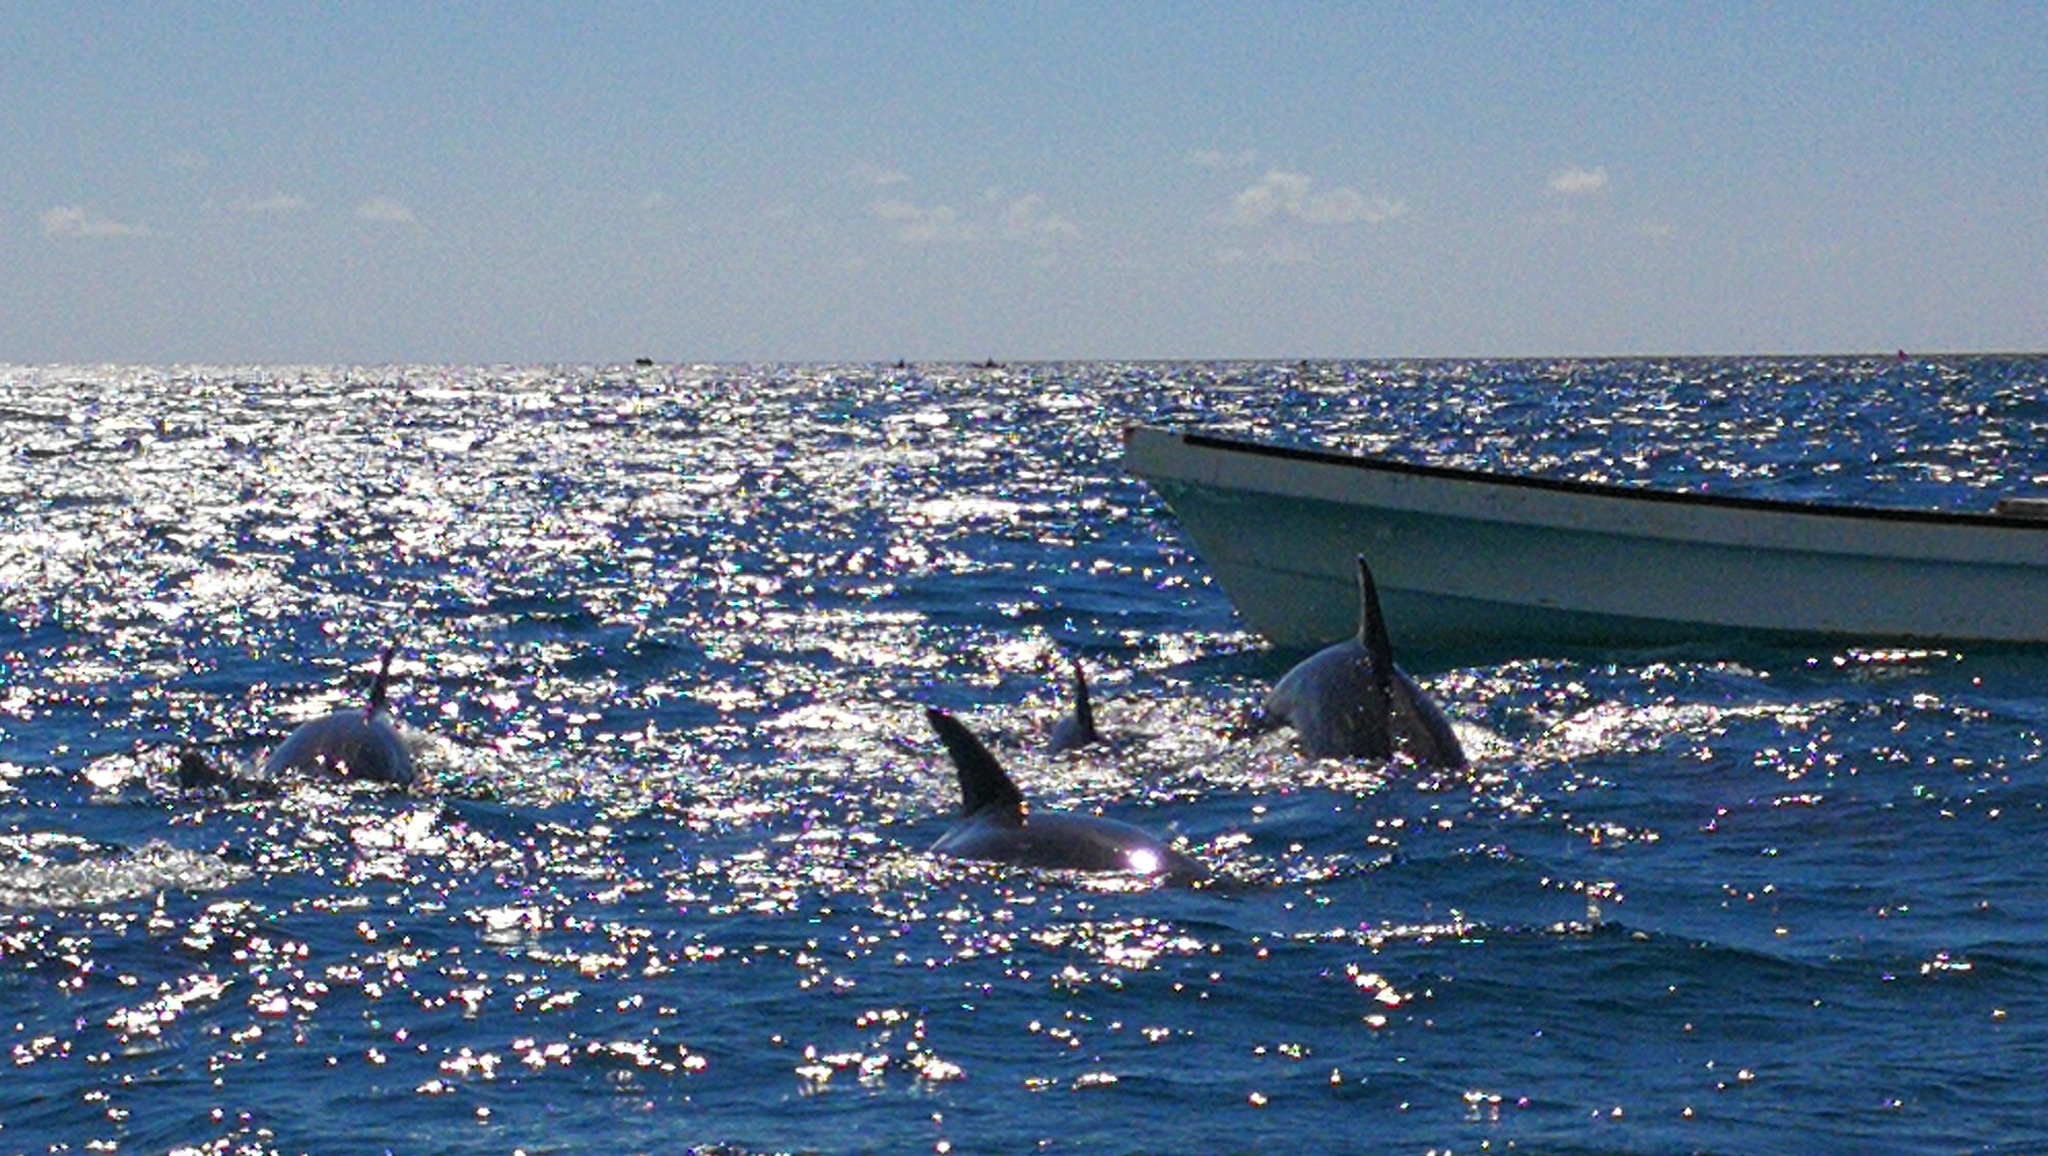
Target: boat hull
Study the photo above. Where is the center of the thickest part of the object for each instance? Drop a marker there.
(1467, 560)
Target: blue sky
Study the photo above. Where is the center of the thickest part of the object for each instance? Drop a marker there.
(372, 183)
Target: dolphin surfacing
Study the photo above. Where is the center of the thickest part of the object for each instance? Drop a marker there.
(1076, 728)
(364, 744)
(1349, 700)
(998, 826)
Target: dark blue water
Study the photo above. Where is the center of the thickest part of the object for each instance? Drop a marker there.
(668, 634)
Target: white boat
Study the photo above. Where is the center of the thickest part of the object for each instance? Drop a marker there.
(1468, 560)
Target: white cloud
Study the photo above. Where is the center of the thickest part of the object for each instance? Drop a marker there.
(917, 225)
(1218, 159)
(74, 221)
(1279, 251)
(384, 209)
(1293, 196)
(878, 176)
(1000, 217)
(1577, 182)
(188, 161)
(1026, 219)
(279, 204)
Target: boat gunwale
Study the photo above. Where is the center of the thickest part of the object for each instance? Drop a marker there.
(1625, 493)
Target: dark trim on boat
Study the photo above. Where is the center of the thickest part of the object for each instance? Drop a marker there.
(1601, 490)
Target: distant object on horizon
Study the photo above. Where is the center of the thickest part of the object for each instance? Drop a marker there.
(643, 362)
(1470, 562)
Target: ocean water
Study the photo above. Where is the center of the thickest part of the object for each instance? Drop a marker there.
(667, 633)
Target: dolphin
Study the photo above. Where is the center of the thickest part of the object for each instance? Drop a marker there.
(1076, 728)
(196, 773)
(354, 744)
(1349, 700)
(997, 825)
(358, 743)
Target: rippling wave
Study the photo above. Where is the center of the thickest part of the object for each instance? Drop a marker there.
(666, 635)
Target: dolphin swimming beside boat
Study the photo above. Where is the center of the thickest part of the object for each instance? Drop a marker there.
(1076, 728)
(998, 826)
(1349, 700)
(362, 744)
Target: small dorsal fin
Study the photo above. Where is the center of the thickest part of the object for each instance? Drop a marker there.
(379, 690)
(1372, 634)
(983, 783)
(195, 773)
(1084, 711)
(1076, 728)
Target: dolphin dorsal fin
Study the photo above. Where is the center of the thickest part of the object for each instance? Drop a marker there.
(380, 689)
(1084, 712)
(1372, 635)
(983, 784)
(195, 773)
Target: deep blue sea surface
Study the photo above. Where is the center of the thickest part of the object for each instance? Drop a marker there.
(666, 634)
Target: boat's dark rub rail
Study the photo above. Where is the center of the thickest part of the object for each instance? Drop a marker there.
(2017, 522)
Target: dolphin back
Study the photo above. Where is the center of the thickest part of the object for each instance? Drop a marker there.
(1421, 729)
(1335, 702)
(1349, 700)
(996, 827)
(351, 744)
(1060, 842)
(1328, 698)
